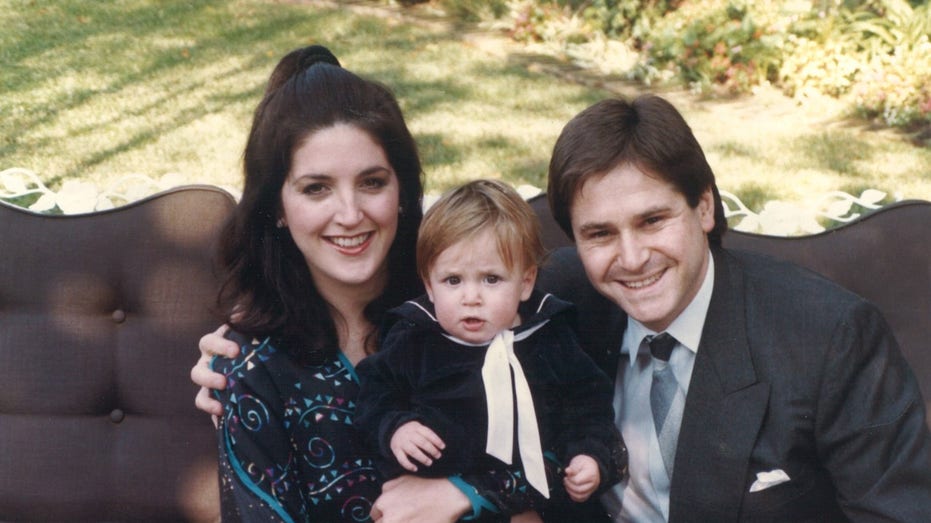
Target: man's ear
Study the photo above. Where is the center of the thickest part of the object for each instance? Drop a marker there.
(528, 280)
(706, 210)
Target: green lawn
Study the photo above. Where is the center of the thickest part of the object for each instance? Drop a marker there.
(99, 90)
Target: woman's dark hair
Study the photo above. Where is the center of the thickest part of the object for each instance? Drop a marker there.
(648, 133)
(268, 283)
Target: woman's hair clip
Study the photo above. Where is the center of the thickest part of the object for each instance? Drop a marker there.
(316, 54)
(298, 61)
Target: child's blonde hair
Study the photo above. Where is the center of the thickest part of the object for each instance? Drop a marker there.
(463, 212)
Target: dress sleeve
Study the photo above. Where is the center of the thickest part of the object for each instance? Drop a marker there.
(258, 473)
(870, 426)
(504, 490)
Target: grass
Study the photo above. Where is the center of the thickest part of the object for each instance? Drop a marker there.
(99, 90)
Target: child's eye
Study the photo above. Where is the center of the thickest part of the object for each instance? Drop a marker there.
(453, 280)
(492, 279)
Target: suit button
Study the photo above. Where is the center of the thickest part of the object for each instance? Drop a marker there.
(118, 316)
(117, 415)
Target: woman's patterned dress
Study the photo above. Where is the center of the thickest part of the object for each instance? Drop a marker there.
(288, 450)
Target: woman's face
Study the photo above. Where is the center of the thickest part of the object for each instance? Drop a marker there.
(340, 204)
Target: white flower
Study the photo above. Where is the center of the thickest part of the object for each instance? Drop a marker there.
(77, 197)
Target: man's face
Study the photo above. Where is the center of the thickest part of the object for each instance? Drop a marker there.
(642, 246)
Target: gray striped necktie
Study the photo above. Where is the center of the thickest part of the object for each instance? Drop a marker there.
(662, 398)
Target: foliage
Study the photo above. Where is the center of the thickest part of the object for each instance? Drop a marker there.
(474, 10)
(897, 87)
(726, 44)
(875, 53)
(872, 53)
(627, 18)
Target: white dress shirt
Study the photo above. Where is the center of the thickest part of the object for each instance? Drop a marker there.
(644, 495)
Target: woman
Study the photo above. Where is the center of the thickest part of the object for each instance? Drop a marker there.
(320, 245)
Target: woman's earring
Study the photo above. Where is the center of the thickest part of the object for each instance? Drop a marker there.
(401, 210)
(280, 223)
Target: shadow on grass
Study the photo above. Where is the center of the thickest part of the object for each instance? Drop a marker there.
(833, 151)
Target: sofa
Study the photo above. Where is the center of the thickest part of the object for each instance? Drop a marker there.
(99, 320)
(100, 315)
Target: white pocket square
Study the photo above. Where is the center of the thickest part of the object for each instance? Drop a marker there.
(765, 480)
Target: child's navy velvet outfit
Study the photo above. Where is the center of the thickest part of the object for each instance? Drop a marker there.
(423, 374)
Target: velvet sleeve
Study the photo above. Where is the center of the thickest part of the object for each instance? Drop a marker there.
(584, 407)
(383, 403)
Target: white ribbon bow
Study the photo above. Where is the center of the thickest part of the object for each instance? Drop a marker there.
(499, 395)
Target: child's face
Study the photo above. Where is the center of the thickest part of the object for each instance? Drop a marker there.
(473, 292)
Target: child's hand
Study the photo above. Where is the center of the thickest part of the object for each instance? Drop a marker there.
(582, 477)
(526, 517)
(415, 441)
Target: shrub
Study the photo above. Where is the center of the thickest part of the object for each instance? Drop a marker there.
(897, 87)
(874, 53)
(473, 10)
(728, 44)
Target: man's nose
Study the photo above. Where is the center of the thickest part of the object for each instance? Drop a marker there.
(631, 252)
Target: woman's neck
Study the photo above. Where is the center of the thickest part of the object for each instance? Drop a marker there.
(347, 308)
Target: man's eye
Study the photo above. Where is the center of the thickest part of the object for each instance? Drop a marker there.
(653, 220)
(597, 235)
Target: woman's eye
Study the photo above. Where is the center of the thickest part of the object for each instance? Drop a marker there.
(374, 183)
(313, 188)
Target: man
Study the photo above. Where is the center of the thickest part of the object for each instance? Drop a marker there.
(779, 395)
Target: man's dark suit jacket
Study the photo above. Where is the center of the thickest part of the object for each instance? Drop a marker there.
(794, 373)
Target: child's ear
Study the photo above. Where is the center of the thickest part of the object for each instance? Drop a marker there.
(426, 284)
(527, 282)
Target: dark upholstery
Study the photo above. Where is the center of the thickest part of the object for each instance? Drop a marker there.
(884, 256)
(100, 316)
(99, 320)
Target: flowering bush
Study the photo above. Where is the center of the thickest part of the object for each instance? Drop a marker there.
(874, 54)
(830, 67)
(725, 44)
(897, 87)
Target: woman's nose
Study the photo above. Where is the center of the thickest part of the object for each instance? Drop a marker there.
(349, 212)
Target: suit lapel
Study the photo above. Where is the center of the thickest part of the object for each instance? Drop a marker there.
(723, 412)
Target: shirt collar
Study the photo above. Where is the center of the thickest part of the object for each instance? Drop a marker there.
(686, 328)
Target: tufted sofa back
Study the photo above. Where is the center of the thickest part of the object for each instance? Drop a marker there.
(100, 315)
